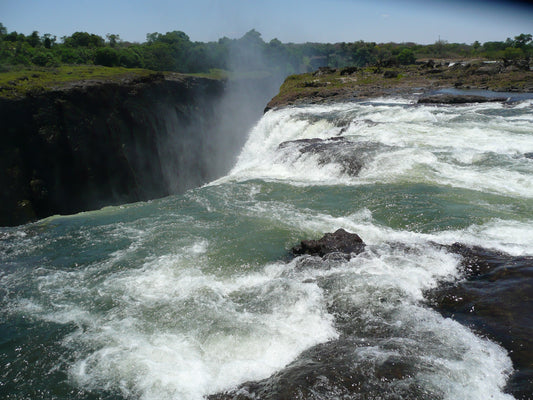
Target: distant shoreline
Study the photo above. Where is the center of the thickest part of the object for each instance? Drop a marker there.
(330, 85)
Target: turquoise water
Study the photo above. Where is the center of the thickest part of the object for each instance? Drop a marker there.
(190, 295)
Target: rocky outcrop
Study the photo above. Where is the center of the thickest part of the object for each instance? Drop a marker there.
(96, 144)
(349, 156)
(338, 369)
(339, 241)
(495, 298)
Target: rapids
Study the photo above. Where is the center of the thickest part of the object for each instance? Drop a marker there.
(197, 294)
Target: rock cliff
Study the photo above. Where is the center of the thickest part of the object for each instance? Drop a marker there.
(93, 144)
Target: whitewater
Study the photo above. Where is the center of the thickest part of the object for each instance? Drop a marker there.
(195, 295)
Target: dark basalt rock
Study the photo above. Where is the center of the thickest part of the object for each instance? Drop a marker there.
(390, 74)
(314, 84)
(458, 99)
(338, 242)
(349, 70)
(349, 155)
(496, 299)
(94, 144)
(335, 370)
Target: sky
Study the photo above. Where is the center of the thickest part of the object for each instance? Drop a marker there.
(297, 21)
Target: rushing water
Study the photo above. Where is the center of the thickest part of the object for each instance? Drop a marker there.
(192, 295)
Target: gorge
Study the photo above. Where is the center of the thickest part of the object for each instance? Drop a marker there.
(90, 144)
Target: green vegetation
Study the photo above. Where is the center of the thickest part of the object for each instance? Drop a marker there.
(17, 83)
(174, 51)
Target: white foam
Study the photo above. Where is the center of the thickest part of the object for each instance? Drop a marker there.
(513, 237)
(445, 146)
(176, 332)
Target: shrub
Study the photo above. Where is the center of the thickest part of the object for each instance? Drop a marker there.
(44, 59)
(107, 57)
(406, 57)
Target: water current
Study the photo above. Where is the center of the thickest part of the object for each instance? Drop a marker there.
(196, 294)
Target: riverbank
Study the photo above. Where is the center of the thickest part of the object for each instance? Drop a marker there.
(329, 84)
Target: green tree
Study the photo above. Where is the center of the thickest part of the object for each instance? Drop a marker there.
(513, 53)
(113, 39)
(34, 40)
(83, 39)
(439, 47)
(406, 57)
(14, 37)
(522, 40)
(130, 58)
(48, 40)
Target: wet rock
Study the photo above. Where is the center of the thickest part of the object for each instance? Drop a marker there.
(340, 241)
(351, 156)
(496, 299)
(529, 155)
(339, 369)
(89, 144)
(457, 99)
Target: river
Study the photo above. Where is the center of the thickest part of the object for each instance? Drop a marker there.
(196, 294)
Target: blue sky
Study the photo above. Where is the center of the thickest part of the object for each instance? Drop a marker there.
(421, 21)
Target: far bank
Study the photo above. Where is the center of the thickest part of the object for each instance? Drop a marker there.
(352, 83)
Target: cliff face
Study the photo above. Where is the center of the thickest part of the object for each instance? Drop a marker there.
(92, 145)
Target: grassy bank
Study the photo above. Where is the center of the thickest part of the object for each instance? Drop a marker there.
(18, 83)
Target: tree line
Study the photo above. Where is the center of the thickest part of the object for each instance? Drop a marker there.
(174, 51)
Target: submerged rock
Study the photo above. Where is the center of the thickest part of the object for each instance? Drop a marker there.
(340, 241)
(339, 369)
